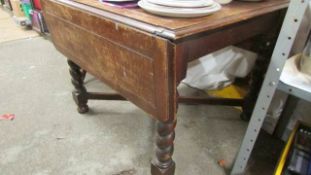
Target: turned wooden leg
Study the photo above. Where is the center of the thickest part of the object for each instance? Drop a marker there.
(264, 48)
(257, 77)
(79, 94)
(163, 163)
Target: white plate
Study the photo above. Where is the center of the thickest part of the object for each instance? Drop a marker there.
(178, 12)
(183, 3)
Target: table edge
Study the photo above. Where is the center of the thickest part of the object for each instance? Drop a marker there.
(161, 31)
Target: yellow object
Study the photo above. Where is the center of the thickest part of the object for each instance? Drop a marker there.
(232, 91)
(284, 155)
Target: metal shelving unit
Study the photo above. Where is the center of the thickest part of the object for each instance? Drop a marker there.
(291, 90)
(281, 52)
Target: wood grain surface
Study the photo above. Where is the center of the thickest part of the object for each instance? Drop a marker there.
(134, 63)
(180, 27)
(125, 48)
(144, 57)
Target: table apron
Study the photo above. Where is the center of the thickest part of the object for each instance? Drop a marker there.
(142, 75)
(197, 46)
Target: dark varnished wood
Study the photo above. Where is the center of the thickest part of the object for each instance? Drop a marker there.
(144, 57)
(139, 72)
(163, 163)
(194, 47)
(181, 99)
(79, 94)
(176, 28)
(210, 100)
(263, 45)
(104, 96)
(117, 38)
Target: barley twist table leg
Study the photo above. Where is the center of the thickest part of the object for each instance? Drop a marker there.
(163, 163)
(80, 93)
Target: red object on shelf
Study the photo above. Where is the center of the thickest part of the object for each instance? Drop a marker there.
(37, 4)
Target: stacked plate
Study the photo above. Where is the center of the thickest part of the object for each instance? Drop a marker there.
(180, 8)
(120, 3)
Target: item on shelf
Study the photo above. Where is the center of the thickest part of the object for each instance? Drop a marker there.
(300, 158)
(17, 10)
(296, 156)
(299, 162)
(36, 4)
(292, 76)
(223, 1)
(117, 1)
(26, 8)
(37, 21)
(43, 24)
(22, 21)
(180, 9)
(120, 3)
(183, 3)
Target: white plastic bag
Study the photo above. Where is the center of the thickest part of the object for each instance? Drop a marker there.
(219, 69)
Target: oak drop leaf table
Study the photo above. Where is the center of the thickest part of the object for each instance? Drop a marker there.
(144, 57)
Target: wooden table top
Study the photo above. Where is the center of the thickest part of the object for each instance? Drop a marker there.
(175, 28)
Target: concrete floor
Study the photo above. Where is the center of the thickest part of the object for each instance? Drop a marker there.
(9, 29)
(49, 137)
